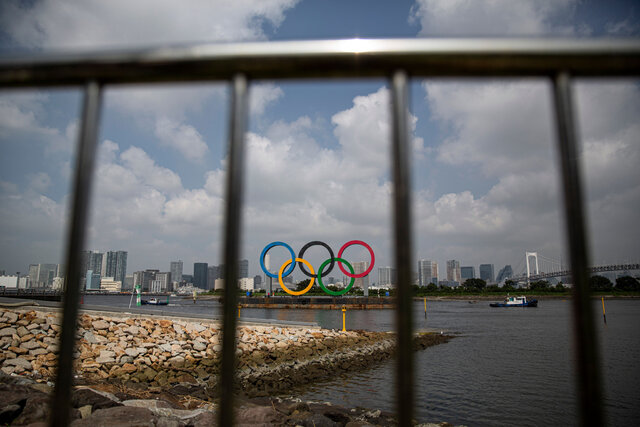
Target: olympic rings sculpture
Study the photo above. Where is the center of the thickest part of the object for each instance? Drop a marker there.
(288, 266)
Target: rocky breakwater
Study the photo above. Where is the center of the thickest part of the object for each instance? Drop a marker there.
(163, 353)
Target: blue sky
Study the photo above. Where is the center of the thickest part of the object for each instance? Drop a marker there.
(486, 184)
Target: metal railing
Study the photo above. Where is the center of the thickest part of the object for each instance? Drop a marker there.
(398, 61)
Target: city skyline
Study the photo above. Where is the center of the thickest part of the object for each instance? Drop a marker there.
(318, 164)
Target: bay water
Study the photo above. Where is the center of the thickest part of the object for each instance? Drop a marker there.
(505, 366)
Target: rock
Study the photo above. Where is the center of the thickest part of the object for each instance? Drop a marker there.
(22, 331)
(178, 329)
(259, 415)
(100, 325)
(90, 338)
(9, 412)
(30, 345)
(7, 332)
(105, 359)
(199, 346)
(177, 361)
(107, 353)
(133, 352)
(124, 416)
(94, 399)
(10, 317)
(20, 362)
(85, 411)
(129, 368)
(164, 323)
(318, 420)
(38, 352)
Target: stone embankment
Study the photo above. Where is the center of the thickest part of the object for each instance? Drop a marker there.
(163, 353)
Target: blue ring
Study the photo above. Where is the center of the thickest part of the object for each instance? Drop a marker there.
(264, 252)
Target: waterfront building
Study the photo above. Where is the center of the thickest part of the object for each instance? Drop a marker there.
(127, 285)
(467, 273)
(427, 272)
(361, 282)
(42, 275)
(246, 283)
(218, 284)
(453, 271)
(486, 272)
(257, 281)
(212, 275)
(144, 278)
(175, 267)
(200, 273)
(110, 285)
(165, 281)
(115, 265)
(243, 268)
(9, 282)
(387, 277)
(92, 281)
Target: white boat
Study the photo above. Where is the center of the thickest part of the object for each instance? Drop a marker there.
(520, 301)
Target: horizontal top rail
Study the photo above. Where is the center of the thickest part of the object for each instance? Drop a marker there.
(347, 58)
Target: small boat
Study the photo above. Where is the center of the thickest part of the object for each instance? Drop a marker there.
(153, 301)
(515, 302)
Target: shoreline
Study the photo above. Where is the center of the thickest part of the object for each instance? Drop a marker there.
(160, 354)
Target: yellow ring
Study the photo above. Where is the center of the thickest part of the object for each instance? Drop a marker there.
(304, 291)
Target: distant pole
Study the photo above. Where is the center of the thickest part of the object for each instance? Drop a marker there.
(425, 307)
(604, 314)
(239, 307)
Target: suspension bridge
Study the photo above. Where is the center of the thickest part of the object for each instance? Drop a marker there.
(538, 267)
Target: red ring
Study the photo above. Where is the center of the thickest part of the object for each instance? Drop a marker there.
(356, 242)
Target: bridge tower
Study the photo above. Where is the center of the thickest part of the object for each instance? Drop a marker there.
(528, 256)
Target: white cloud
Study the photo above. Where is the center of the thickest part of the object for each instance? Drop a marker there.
(493, 17)
(261, 95)
(625, 27)
(90, 24)
(184, 138)
(504, 128)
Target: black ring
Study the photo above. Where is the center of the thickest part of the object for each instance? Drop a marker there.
(307, 246)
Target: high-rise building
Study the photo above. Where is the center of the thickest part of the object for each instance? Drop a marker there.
(92, 281)
(387, 276)
(176, 271)
(144, 279)
(161, 282)
(243, 268)
(115, 265)
(246, 284)
(504, 274)
(361, 282)
(200, 273)
(42, 275)
(453, 271)
(486, 272)
(427, 272)
(212, 275)
(257, 281)
(467, 273)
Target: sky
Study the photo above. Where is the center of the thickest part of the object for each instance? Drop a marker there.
(485, 169)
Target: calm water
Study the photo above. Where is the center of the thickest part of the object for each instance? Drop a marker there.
(507, 366)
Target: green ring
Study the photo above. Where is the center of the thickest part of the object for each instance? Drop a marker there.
(319, 279)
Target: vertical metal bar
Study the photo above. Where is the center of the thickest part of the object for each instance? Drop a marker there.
(85, 159)
(401, 156)
(587, 373)
(232, 245)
